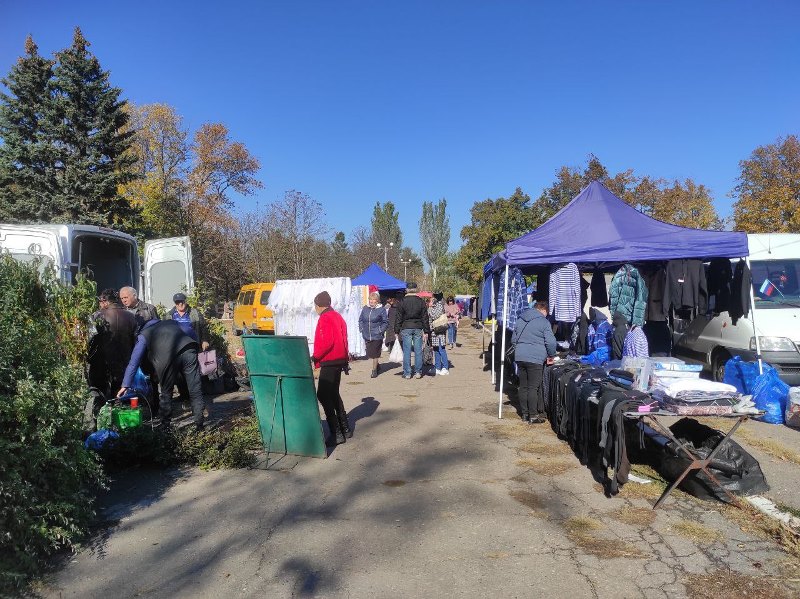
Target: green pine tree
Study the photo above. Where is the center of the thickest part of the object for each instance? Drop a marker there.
(89, 129)
(26, 154)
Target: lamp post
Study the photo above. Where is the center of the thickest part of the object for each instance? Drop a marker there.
(405, 267)
(385, 254)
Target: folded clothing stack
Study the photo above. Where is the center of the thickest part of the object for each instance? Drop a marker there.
(695, 396)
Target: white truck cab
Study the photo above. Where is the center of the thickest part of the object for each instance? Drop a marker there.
(775, 267)
(108, 257)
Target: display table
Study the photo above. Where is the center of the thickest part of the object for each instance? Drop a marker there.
(697, 462)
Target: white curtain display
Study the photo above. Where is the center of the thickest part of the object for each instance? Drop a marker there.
(292, 303)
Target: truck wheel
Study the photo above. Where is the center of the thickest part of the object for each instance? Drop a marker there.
(718, 364)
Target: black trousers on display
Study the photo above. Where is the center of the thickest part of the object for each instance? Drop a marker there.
(531, 401)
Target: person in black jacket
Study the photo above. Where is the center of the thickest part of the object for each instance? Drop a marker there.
(412, 325)
(170, 351)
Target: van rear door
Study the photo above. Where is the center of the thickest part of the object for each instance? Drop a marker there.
(167, 269)
(27, 243)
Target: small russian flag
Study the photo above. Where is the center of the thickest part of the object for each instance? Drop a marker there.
(767, 288)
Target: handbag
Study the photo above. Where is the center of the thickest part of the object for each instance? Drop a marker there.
(208, 362)
(439, 325)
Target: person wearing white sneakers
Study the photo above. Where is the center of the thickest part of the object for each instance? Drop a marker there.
(438, 340)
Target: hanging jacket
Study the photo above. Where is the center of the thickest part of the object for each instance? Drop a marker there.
(628, 295)
(598, 288)
(565, 293)
(655, 281)
(635, 344)
(600, 331)
(685, 286)
(740, 291)
(372, 322)
(719, 278)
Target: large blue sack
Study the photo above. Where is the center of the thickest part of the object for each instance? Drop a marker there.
(141, 383)
(743, 375)
(770, 393)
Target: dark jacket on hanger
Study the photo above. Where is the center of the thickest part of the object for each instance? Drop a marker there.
(618, 338)
(598, 288)
(685, 286)
(655, 280)
(740, 291)
(719, 277)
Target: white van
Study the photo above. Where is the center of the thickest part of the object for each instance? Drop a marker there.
(774, 257)
(108, 257)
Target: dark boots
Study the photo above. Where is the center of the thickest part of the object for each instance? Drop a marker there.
(337, 436)
(343, 423)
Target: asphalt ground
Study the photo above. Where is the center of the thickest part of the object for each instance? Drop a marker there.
(432, 497)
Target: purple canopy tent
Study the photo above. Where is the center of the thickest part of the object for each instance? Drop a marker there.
(598, 229)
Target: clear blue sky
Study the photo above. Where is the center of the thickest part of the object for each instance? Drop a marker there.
(359, 102)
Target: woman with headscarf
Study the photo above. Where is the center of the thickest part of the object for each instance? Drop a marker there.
(372, 324)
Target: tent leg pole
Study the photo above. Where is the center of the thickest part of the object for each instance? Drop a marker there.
(753, 320)
(494, 323)
(503, 346)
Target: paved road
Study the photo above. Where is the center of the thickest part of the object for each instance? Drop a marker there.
(433, 497)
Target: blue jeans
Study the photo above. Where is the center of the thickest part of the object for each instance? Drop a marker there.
(452, 330)
(411, 339)
(440, 357)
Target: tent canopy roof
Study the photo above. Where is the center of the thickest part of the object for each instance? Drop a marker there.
(375, 275)
(598, 228)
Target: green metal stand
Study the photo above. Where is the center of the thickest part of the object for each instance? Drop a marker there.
(284, 395)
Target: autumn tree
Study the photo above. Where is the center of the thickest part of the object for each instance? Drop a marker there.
(686, 204)
(88, 129)
(493, 223)
(161, 153)
(768, 189)
(434, 234)
(27, 151)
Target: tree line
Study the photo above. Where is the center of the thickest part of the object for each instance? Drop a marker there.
(74, 151)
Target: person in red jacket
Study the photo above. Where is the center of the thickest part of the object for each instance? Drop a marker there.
(331, 356)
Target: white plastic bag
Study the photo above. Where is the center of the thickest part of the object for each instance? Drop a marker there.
(396, 355)
(793, 408)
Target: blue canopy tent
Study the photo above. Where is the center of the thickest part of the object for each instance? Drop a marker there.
(598, 229)
(375, 275)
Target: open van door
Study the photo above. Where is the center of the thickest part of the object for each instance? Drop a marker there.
(28, 243)
(167, 269)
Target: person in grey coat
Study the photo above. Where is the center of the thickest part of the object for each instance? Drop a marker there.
(372, 323)
(534, 344)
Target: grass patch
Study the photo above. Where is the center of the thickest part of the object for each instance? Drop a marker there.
(582, 524)
(490, 409)
(725, 583)
(773, 448)
(651, 490)
(699, 533)
(752, 521)
(509, 430)
(789, 510)
(635, 516)
(528, 499)
(581, 531)
(546, 448)
(545, 467)
(456, 409)
(498, 555)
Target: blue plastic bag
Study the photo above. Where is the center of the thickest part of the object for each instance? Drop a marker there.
(743, 375)
(770, 393)
(141, 383)
(98, 439)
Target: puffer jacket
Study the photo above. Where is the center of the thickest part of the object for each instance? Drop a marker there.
(533, 338)
(373, 322)
(628, 295)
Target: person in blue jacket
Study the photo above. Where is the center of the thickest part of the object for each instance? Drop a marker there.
(372, 323)
(534, 344)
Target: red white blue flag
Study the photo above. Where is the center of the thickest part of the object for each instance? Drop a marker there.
(767, 288)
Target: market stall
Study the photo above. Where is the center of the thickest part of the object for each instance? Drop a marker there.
(374, 275)
(659, 279)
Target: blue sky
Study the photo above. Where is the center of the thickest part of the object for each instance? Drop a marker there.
(360, 102)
